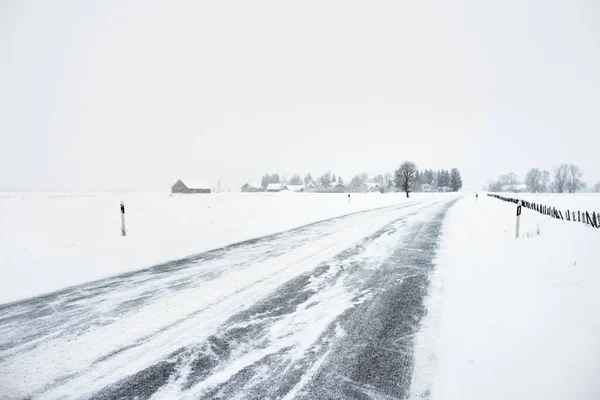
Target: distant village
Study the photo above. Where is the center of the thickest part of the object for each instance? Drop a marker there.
(420, 181)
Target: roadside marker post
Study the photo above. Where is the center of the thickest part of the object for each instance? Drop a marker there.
(518, 219)
(123, 230)
(476, 197)
(348, 198)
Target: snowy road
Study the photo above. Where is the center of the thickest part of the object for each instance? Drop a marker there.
(327, 310)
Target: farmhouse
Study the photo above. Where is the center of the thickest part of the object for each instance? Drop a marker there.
(250, 188)
(374, 186)
(337, 188)
(190, 186)
(295, 188)
(276, 187)
(426, 187)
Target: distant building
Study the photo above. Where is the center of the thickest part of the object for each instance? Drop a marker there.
(295, 188)
(337, 188)
(250, 188)
(374, 186)
(515, 188)
(426, 187)
(276, 187)
(190, 186)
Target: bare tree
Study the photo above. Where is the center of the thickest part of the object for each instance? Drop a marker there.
(358, 184)
(561, 174)
(509, 182)
(494, 186)
(388, 180)
(574, 182)
(405, 176)
(533, 180)
(295, 180)
(545, 182)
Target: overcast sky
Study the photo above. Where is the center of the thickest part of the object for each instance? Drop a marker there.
(135, 94)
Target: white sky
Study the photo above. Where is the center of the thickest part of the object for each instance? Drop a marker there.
(135, 94)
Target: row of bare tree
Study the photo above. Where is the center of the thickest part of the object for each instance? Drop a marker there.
(565, 178)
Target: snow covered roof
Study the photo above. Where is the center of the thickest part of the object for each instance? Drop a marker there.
(253, 185)
(295, 188)
(519, 187)
(195, 184)
(372, 184)
(275, 186)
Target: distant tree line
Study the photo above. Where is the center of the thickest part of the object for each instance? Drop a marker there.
(407, 178)
(565, 178)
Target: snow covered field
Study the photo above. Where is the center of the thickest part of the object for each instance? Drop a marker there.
(512, 318)
(52, 240)
(562, 201)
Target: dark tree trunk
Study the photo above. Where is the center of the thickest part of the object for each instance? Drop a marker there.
(407, 193)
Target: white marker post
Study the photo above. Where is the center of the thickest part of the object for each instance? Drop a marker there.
(348, 198)
(123, 230)
(518, 218)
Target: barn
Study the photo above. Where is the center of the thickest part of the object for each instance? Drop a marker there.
(190, 186)
(295, 188)
(337, 188)
(276, 187)
(250, 187)
(374, 186)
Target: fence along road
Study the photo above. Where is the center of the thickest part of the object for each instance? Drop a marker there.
(590, 218)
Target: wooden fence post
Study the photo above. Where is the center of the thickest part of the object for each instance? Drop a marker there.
(518, 220)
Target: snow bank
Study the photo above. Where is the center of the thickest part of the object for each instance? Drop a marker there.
(52, 240)
(511, 318)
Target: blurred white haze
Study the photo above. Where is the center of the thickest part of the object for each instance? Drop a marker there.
(135, 94)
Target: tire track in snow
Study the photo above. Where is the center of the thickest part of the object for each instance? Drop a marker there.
(244, 359)
(39, 322)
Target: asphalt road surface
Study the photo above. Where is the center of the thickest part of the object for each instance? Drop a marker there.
(324, 311)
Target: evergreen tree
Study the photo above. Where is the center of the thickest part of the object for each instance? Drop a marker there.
(455, 180)
(269, 178)
(325, 180)
(428, 177)
(308, 180)
(443, 179)
(416, 185)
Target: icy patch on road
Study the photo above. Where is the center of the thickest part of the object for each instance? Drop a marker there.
(298, 339)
